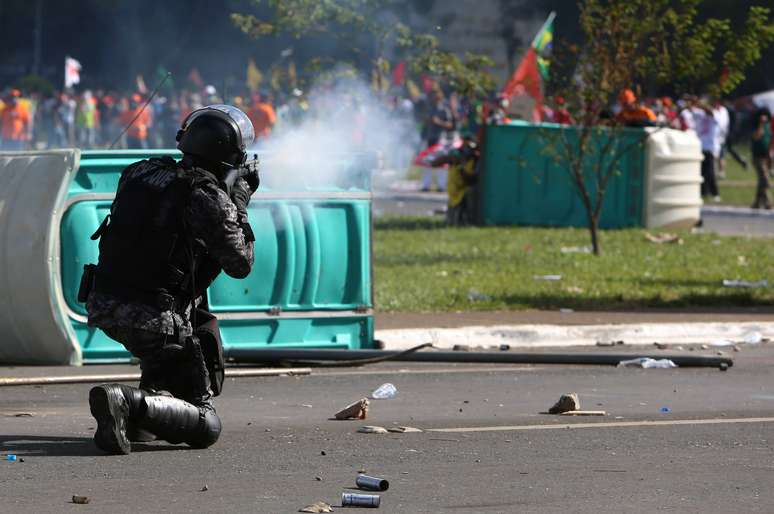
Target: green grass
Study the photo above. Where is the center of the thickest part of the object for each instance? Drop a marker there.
(420, 265)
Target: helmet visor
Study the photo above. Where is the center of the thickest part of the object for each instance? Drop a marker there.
(240, 118)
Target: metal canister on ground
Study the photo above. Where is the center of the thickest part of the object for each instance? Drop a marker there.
(372, 483)
(359, 500)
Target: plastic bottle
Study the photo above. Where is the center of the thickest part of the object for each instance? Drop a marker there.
(385, 392)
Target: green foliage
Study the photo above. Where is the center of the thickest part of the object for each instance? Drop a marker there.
(356, 20)
(424, 266)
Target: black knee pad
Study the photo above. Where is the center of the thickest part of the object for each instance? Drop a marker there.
(209, 430)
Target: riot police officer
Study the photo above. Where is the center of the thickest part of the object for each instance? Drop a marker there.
(172, 228)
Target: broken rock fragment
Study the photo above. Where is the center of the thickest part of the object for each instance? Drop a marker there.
(357, 410)
(566, 403)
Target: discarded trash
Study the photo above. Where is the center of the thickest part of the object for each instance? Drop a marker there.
(723, 366)
(753, 338)
(81, 500)
(566, 403)
(550, 278)
(647, 362)
(403, 430)
(505, 347)
(584, 413)
(11, 457)
(371, 483)
(385, 392)
(371, 429)
(475, 296)
(461, 348)
(609, 343)
(661, 346)
(722, 342)
(204, 488)
(664, 409)
(359, 500)
(566, 311)
(317, 507)
(357, 410)
(704, 347)
(20, 415)
(745, 283)
(663, 238)
(575, 249)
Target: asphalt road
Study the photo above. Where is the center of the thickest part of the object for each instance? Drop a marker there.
(484, 445)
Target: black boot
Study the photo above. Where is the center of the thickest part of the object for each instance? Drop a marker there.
(111, 409)
(177, 421)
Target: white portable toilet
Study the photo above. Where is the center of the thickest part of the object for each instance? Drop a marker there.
(673, 174)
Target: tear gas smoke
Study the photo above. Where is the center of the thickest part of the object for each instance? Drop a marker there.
(341, 137)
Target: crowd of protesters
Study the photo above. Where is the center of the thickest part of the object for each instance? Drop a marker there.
(103, 119)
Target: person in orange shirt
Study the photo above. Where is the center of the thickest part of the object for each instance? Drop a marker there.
(137, 133)
(633, 113)
(263, 117)
(15, 123)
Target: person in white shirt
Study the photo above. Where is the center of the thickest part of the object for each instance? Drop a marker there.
(707, 127)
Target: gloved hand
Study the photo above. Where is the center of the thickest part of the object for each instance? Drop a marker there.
(252, 178)
(241, 193)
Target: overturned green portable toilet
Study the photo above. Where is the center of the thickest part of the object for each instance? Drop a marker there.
(310, 286)
(523, 180)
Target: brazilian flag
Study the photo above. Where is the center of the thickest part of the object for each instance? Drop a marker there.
(542, 44)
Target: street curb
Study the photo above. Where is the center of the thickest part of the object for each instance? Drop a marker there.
(740, 212)
(552, 336)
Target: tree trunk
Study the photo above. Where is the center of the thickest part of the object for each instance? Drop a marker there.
(594, 231)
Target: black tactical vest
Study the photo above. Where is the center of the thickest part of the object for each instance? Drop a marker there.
(144, 248)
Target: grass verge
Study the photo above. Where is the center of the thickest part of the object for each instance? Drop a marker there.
(420, 265)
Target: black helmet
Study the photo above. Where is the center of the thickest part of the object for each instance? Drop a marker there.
(217, 133)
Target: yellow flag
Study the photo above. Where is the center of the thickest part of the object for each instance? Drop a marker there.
(276, 78)
(254, 76)
(413, 89)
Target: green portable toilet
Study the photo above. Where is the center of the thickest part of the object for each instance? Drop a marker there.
(524, 181)
(310, 286)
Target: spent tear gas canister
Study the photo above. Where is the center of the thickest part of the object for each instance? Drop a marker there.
(372, 483)
(359, 500)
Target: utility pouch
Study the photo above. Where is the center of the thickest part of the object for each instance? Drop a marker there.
(208, 333)
(87, 282)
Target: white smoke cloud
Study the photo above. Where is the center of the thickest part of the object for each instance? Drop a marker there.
(346, 134)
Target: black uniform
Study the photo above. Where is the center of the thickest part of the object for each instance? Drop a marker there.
(171, 230)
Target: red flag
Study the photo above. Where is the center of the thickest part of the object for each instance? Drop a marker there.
(526, 80)
(428, 84)
(398, 73)
(195, 78)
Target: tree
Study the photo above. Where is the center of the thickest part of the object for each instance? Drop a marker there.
(367, 32)
(635, 44)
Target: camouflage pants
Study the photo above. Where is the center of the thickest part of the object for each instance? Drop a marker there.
(169, 364)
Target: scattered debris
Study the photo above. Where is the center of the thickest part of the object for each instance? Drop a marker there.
(385, 392)
(322, 452)
(317, 507)
(81, 500)
(319, 479)
(549, 278)
(475, 296)
(723, 366)
(722, 342)
(661, 346)
(461, 348)
(745, 284)
(720, 353)
(307, 405)
(575, 249)
(584, 413)
(403, 430)
(753, 338)
(204, 488)
(665, 238)
(505, 347)
(357, 410)
(566, 403)
(371, 429)
(609, 343)
(737, 349)
(371, 483)
(11, 457)
(647, 363)
(20, 415)
(359, 500)
(566, 311)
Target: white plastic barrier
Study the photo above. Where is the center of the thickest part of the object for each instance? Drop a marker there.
(33, 324)
(673, 190)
